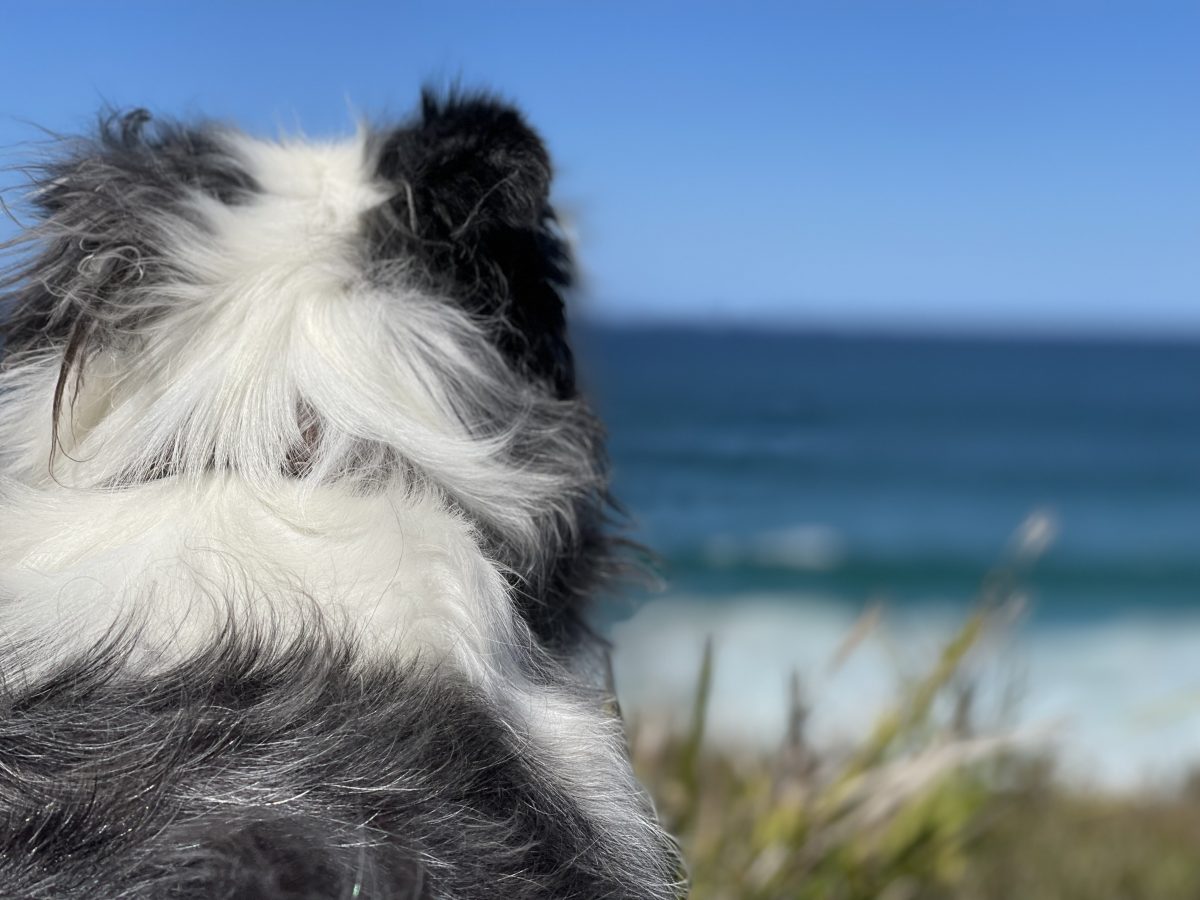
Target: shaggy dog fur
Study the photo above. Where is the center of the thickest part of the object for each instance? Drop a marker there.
(302, 511)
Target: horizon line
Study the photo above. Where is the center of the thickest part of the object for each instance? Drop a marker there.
(1098, 332)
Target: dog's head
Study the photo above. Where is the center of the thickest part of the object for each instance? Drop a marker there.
(377, 310)
(323, 390)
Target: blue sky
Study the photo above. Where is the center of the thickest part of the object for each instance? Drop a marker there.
(1014, 166)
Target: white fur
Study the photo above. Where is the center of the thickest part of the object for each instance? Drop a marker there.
(403, 571)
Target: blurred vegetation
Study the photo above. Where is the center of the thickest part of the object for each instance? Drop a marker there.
(924, 809)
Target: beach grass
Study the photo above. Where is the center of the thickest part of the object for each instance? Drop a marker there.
(927, 807)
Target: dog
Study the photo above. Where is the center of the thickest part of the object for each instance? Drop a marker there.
(302, 514)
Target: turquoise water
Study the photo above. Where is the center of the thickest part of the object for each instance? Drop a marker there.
(858, 466)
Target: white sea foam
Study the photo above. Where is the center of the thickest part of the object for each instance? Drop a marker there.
(1117, 701)
(805, 547)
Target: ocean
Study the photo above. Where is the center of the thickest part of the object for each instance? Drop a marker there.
(790, 482)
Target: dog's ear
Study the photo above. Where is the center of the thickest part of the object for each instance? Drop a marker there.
(471, 201)
(469, 165)
(105, 206)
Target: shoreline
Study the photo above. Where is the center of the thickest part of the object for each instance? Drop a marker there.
(1114, 704)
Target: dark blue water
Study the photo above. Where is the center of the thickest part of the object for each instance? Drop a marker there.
(860, 467)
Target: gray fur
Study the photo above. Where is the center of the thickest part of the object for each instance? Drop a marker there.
(267, 770)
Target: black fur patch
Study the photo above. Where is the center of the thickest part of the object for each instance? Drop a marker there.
(472, 203)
